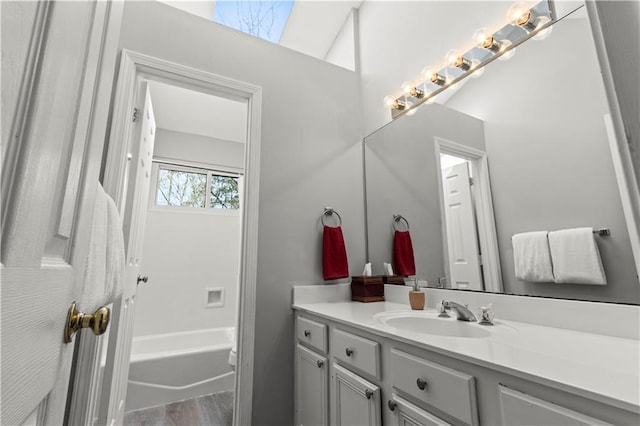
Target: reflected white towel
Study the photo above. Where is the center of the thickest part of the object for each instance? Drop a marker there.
(104, 272)
(575, 257)
(531, 257)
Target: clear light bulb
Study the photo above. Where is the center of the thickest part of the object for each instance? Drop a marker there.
(517, 12)
(542, 21)
(484, 39)
(427, 73)
(406, 88)
(389, 101)
(452, 57)
(481, 35)
(504, 45)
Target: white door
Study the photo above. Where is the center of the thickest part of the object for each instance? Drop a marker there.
(462, 236)
(356, 400)
(312, 388)
(52, 51)
(116, 372)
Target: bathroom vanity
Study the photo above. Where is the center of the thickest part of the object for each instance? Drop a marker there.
(381, 363)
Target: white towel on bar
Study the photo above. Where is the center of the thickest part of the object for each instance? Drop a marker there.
(531, 257)
(104, 273)
(575, 257)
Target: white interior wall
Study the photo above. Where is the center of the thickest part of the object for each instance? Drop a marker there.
(311, 157)
(187, 250)
(197, 149)
(343, 49)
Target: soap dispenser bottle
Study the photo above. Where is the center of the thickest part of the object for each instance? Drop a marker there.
(416, 297)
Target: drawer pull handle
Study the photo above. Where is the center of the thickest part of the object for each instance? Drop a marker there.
(421, 384)
(392, 405)
(348, 351)
(307, 333)
(368, 393)
(320, 364)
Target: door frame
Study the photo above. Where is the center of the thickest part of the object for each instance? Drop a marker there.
(483, 202)
(134, 67)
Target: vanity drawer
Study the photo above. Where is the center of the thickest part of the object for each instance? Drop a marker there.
(448, 390)
(312, 333)
(356, 351)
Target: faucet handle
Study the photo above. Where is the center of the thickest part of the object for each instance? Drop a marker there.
(486, 316)
(442, 309)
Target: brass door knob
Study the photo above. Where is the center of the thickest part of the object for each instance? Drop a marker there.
(97, 322)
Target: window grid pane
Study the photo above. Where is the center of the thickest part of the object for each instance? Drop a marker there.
(180, 188)
(224, 192)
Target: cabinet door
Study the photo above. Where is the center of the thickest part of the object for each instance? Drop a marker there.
(521, 409)
(407, 414)
(312, 388)
(356, 400)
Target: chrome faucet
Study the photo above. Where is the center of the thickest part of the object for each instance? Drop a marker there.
(462, 311)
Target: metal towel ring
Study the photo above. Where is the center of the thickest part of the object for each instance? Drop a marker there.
(396, 219)
(328, 211)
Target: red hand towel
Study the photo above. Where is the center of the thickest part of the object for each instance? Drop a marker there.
(334, 254)
(403, 261)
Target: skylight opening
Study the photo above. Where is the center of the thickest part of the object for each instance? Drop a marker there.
(265, 19)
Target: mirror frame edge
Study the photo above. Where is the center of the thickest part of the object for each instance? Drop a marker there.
(626, 175)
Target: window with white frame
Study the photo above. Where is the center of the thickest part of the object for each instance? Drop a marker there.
(179, 186)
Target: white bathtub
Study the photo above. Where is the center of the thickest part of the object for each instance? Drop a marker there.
(176, 366)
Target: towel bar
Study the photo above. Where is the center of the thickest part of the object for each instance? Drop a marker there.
(602, 232)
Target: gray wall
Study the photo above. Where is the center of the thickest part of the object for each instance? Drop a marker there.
(549, 157)
(408, 184)
(310, 158)
(198, 149)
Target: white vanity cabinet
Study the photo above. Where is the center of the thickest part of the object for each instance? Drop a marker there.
(312, 388)
(356, 401)
(407, 414)
(311, 373)
(350, 375)
(435, 385)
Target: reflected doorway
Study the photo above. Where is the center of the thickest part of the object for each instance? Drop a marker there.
(470, 240)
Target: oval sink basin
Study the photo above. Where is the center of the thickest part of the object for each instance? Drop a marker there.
(416, 322)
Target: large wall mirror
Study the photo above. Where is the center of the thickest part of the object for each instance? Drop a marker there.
(526, 146)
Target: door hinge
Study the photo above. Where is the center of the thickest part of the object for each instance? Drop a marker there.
(136, 113)
(470, 181)
(480, 260)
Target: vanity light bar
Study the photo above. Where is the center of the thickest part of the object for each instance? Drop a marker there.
(536, 25)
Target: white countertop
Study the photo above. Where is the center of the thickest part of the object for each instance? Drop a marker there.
(595, 366)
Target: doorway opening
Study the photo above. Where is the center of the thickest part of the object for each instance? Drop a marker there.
(470, 239)
(128, 171)
(190, 260)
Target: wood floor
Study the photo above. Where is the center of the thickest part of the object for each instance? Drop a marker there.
(210, 410)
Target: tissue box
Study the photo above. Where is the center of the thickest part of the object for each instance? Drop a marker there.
(393, 279)
(367, 289)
